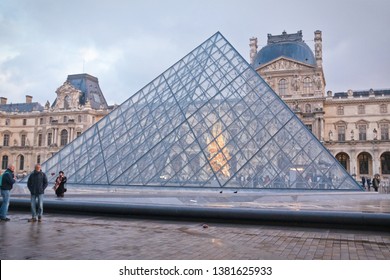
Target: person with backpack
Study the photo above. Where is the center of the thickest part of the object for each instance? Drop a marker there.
(7, 181)
(37, 183)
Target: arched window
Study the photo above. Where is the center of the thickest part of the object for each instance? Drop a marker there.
(282, 87)
(343, 158)
(385, 163)
(21, 162)
(4, 162)
(64, 137)
(307, 85)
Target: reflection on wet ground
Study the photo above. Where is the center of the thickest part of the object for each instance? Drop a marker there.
(67, 237)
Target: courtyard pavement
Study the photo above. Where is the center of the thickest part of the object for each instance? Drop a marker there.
(83, 234)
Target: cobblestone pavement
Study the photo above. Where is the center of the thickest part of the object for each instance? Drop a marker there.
(64, 237)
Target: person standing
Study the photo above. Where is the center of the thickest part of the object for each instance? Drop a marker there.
(37, 183)
(7, 181)
(364, 182)
(60, 184)
(368, 180)
(375, 182)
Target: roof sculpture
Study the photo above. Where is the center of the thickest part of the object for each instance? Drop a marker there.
(208, 121)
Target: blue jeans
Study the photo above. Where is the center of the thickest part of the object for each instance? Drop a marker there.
(5, 194)
(34, 198)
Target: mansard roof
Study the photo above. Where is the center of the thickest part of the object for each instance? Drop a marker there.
(21, 107)
(362, 93)
(91, 92)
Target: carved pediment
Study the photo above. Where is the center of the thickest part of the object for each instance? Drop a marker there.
(68, 97)
(283, 64)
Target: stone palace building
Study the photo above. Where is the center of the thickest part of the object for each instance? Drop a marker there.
(30, 133)
(353, 125)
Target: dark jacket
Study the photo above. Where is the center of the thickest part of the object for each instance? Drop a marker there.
(7, 180)
(37, 182)
(61, 188)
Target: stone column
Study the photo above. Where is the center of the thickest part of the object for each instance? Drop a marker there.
(55, 140)
(375, 160)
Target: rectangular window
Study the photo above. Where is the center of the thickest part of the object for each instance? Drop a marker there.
(309, 127)
(49, 138)
(41, 121)
(24, 121)
(40, 140)
(384, 131)
(78, 133)
(341, 133)
(307, 85)
(282, 87)
(362, 132)
(6, 140)
(4, 162)
(340, 110)
(361, 109)
(383, 108)
(23, 141)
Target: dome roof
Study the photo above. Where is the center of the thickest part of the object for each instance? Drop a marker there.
(286, 45)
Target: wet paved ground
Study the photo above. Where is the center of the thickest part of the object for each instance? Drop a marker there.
(64, 237)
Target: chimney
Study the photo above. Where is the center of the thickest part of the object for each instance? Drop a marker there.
(29, 98)
(253, 49)
(318, 47)
(3, 100)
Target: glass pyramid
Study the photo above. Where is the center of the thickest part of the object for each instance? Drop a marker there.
(208, 121)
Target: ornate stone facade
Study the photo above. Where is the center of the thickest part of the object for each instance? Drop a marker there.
(31, 133)
(298, 80)
(354, 126)
(357, 131)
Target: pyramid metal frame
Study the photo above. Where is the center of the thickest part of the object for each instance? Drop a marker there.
(208, 121)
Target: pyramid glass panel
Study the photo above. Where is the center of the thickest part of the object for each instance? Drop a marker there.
(208, 121)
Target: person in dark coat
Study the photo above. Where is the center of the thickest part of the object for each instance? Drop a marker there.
(37, 183)
(375, 182)
(60, 184)
(7, 181)
(364, 182)
(368, 180)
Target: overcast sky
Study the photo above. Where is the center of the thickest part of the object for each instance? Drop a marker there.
(126, 44)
